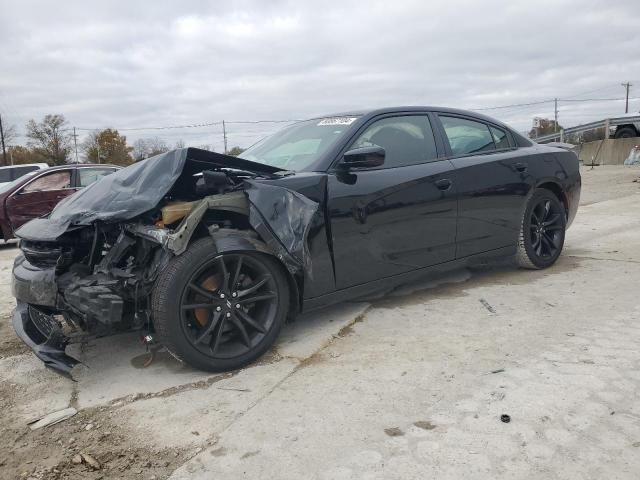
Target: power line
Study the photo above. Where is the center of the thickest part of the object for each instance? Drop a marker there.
(193, 125)
(513, 105)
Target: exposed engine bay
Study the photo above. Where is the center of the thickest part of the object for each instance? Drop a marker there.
(99, 253)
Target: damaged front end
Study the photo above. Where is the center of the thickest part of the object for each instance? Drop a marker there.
(90, 268)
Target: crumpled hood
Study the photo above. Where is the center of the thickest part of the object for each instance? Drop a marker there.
(131, 191)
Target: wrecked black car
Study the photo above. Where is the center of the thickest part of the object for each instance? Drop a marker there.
(209, 254)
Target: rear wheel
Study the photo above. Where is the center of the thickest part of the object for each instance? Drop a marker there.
(542, 231)
(626, 132)
(219, 311)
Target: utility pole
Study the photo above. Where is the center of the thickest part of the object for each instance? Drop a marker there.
(75, 141)
(555, 128)
(626, 103)
(224, 134)
(4, 152)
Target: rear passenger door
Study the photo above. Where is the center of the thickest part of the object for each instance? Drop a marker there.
(398, 217)
(492, 183)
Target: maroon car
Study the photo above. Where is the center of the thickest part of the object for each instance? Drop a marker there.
(36, 193)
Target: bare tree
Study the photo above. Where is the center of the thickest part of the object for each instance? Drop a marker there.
(180, 144)
(140, 150)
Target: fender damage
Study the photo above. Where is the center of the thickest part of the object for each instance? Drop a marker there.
(89, 268)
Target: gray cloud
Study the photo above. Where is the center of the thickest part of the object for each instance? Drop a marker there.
(132, 64)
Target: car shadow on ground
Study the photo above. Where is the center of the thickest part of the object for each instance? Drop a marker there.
(120, 366)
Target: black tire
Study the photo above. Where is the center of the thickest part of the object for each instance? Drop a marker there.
(626, 132)
(179, 328)
(542, 231)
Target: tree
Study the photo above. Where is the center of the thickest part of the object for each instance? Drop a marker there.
(49, 140)
(156, 146)
(107, 146)
(235, 151)
(20, 155)
(9, 135)
(148, 147)
(139, 151)
(543, 126)
(179, 144)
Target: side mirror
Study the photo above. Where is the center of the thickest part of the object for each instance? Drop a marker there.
(364, 157)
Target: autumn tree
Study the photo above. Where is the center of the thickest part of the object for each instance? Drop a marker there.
(107, 146)
(49, 139)
(235, 151)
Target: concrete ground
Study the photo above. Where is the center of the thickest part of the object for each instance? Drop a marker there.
(410, 385)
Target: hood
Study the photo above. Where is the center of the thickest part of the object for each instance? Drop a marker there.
(132, 191)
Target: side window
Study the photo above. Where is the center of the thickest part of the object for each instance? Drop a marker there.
(406, 140)
(86, 176)
(500, 138)
(20, 171)
(467, 136)
(51, 181)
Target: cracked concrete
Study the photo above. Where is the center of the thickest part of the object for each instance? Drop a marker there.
(410, 385)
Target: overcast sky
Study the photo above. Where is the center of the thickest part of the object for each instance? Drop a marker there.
(143, 64)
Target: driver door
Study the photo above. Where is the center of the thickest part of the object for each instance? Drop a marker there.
(38, 197)
(398, 217)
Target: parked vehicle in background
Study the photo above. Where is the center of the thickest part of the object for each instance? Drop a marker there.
(13, 172)
(35, 193)
(627, 130)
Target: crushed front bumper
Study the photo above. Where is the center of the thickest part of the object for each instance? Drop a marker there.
(42, 333)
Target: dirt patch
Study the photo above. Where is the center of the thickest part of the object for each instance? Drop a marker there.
(425, 425)
(61, 451)
(10, 345)
(348, 329)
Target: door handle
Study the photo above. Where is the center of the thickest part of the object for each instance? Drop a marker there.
(443, 184)
(521, 167)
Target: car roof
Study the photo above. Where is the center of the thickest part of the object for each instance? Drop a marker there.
(74, 165)
(412, 108)
(18, 165)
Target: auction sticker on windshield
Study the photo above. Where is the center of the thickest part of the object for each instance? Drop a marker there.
(337, 121)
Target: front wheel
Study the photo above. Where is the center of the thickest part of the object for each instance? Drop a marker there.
(542, 231)
(219, 311)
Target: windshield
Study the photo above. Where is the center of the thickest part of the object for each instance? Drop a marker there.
(300, 145)
(8, 186)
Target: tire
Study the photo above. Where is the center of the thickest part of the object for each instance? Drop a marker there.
(626, 132)
(181, 323)
(540, 242)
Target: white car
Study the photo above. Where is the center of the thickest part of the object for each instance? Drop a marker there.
(13, 172)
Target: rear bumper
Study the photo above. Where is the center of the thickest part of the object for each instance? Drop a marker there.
(42, 334)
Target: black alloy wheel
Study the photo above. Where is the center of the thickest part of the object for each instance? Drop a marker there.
(545, 228)
(228, 306)
(543, 231)
(219, 311)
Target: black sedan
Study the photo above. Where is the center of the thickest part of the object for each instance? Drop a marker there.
(210, 254)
